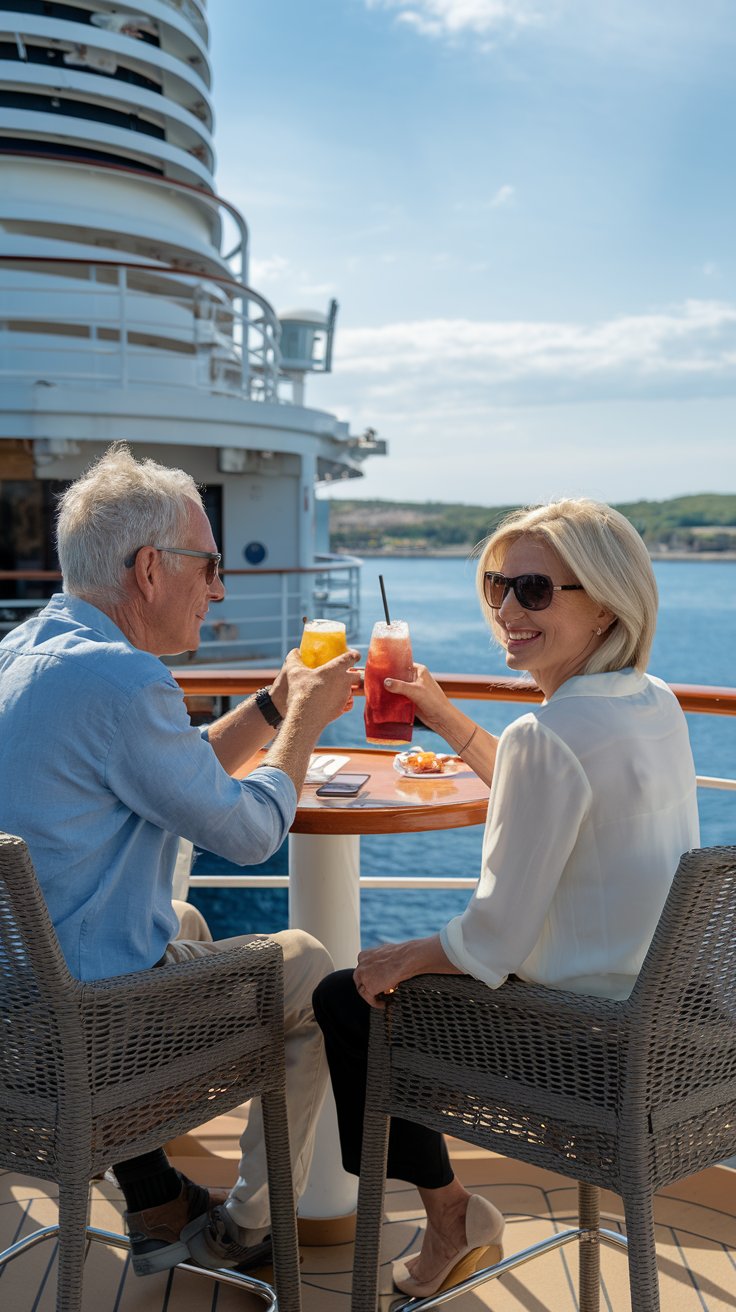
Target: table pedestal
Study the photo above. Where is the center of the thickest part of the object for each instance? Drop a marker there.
(324, 899)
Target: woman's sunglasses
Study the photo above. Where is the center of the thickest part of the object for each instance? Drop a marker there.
(532, 591)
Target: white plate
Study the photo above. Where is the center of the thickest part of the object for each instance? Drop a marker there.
(451, 766)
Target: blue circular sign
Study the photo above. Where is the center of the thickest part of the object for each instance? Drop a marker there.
(255, 553)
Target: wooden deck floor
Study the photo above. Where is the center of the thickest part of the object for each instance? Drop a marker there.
(696, 1239)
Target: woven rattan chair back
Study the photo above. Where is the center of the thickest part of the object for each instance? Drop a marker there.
(681, 1063)
(96, 1073)
(627, 1095)
(41, 1020)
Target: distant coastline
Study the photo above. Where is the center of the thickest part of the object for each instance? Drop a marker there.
(698, 527)
(438, 553)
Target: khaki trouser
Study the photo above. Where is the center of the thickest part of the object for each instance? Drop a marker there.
(306, 962)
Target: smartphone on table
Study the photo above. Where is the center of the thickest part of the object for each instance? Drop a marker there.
(343, 785)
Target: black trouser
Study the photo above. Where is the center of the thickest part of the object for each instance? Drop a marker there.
(415, 1154)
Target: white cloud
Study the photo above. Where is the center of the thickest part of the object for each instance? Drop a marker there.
(497, 411)
(278, 277)
(455, 17)
(505, 195)
(272, 269)
(684, 350)
(316, 289)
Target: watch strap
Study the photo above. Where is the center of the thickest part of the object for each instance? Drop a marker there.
(265, 704)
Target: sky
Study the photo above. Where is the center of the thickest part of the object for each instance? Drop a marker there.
(525, 209)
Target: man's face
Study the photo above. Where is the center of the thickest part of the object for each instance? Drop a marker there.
(183, 594)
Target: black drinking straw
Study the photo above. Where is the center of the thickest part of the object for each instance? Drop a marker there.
(385, 603)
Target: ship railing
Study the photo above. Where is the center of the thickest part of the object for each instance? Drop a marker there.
(192, 10)
(207, 201)
(133, 324)
(262, 614)
(260, 618)
(693, 698)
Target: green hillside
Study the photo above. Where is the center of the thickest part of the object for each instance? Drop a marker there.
(706, 522)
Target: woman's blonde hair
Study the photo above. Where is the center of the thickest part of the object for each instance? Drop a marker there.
(605, 553)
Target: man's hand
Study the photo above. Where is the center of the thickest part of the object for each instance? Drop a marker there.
(314, 697)
(293, 665)
(325, 690)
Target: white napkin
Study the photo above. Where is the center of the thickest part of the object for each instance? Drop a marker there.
(322, 767)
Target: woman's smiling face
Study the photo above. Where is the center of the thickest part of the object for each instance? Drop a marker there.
(552, 644)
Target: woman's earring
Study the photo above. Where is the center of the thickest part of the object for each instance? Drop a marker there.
(598, 632)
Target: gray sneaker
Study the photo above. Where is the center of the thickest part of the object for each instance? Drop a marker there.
(157, 1234)
(214, 1241)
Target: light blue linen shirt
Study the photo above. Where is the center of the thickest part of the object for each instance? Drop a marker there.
(101, 771)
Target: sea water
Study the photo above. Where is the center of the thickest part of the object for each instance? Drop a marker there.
(695, 643)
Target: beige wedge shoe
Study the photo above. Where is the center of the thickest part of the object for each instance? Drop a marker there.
(484, 1226)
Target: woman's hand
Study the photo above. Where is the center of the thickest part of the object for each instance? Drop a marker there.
(476, 745)
(425, 693)
(380, 969)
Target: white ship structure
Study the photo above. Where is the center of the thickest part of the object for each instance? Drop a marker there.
(126, 313)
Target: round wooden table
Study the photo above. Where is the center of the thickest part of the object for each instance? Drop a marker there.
(324, 898)
(390, 802)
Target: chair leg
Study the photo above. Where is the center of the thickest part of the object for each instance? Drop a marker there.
(370, 1212)
(643, 1276)
(281, 1198)
(73, 1212)
(590, 1248)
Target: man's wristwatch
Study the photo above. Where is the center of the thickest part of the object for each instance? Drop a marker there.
(266, 706)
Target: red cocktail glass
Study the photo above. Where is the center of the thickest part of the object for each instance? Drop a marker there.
(389, 718)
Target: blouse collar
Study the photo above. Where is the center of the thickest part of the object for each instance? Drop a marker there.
(612, 683)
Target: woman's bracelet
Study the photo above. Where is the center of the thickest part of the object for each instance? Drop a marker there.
(462, 750)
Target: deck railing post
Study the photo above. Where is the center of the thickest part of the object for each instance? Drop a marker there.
(123, 326)
(285, 644)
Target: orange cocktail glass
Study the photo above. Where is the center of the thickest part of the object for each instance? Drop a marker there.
(321, 641)
(389, 718)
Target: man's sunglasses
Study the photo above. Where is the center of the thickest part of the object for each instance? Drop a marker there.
(213, 559)
(532, 591)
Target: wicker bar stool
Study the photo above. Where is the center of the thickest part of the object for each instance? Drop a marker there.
(92, 1074)
(628, 1096)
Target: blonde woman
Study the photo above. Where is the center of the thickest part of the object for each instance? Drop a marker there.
(592, 803)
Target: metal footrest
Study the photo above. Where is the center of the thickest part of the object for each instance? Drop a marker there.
(258, 1287)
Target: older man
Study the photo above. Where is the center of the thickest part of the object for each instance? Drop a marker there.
(101, 771)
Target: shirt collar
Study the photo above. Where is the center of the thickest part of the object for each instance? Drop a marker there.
(612, 683)
(83, 612)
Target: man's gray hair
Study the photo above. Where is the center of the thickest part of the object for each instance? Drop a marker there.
(118, 505)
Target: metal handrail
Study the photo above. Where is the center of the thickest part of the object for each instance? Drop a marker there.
(324, 562)
(182, 274)
(260, 616)
(194, 317)
(204, 197)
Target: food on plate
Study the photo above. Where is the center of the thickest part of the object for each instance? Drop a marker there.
(420, 762)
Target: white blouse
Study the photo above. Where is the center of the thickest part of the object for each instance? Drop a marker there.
(592, 804)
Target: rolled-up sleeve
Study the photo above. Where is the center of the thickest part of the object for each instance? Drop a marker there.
(539, 798)
(165, 771)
